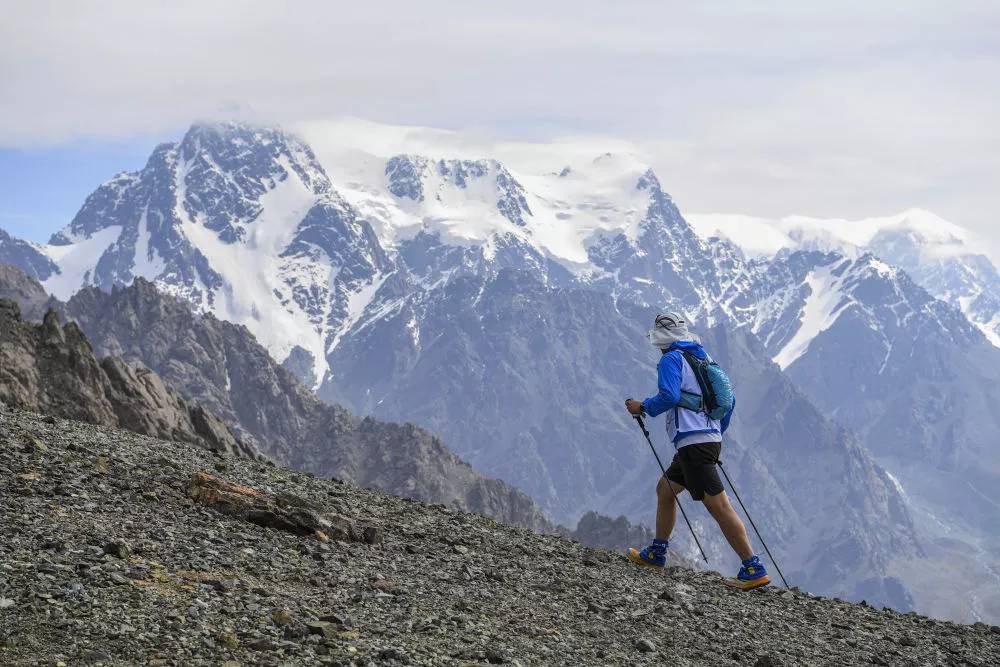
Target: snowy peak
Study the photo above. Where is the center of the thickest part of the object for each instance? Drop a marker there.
(419, 178)
(930, 232)
(220, 185)
(230, 196)
(801, 295)
(948, 267)
(109, 198)
(648, 181)
(252, 155)
(224, 170)
(766, 236)
(217, 173)
(939, 255)
(558, 198)
(920, 232)
(601, 217)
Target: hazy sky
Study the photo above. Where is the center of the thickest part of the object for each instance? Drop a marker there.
(828, 109)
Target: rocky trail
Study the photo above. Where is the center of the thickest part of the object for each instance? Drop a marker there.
(117, 548)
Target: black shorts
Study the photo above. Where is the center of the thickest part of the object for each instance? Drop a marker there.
(694, 468)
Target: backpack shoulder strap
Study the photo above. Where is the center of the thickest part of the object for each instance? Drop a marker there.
(693, 361)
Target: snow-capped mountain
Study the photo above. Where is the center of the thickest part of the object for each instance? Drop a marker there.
(241, 222)
(907, 372)
(502, 303)
(939, 255)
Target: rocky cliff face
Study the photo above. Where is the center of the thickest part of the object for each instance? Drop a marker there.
(27, 256)
(221, 366)
(159, 553)
(50, 368)
(24, 290)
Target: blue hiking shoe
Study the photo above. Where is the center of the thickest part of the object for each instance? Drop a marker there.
(753, 574)
(655, 555)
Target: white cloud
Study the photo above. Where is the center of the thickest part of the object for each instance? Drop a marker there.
(833, 109)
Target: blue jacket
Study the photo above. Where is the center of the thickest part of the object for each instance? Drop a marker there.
(670, 375)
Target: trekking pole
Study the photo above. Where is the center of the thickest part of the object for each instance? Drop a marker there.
(642, 425)
(726, 475)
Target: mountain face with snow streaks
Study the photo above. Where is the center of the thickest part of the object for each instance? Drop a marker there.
(966, 280)
(413, 176)
(504, 308)
(867, 344)
(241, 222)
(940, 256)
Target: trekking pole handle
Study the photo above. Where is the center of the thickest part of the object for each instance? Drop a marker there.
(638, 418)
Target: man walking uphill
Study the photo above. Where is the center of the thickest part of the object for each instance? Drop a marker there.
(697, 438)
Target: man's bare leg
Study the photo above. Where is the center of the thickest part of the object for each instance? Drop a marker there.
(666, 507)
(729, 521)
(666, 515)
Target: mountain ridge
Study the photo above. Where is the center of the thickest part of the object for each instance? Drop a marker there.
(941, 256)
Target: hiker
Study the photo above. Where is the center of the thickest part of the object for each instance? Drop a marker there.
(698, 441)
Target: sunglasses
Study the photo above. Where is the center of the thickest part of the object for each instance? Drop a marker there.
(666, 322)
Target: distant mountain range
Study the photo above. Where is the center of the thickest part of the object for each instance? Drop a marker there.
(503, 307)
(940, 256)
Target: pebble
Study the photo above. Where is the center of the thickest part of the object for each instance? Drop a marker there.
(768, 661)
(322, 628)
(118, 550)
(645, 646)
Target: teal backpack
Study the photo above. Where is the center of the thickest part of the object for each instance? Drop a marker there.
(716, 398)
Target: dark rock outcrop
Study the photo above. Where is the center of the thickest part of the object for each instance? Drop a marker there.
(23, 289)
(51, 368)
(281, 511)
(603, 532)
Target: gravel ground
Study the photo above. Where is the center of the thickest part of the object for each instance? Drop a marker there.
(105, 557)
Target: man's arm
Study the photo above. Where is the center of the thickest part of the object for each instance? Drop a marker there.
(668, 373)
